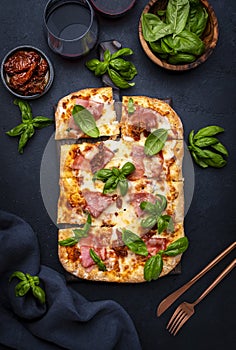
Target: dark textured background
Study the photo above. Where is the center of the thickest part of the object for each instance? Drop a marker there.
(203, 96)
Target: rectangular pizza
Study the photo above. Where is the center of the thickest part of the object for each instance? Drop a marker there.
(121, 201)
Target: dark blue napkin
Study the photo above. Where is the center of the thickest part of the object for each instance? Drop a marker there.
(67, 320)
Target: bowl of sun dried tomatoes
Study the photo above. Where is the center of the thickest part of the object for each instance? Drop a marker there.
(27, 72)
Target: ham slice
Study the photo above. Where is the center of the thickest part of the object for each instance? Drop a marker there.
(80, 163)
(95, 108)
(85, 258)
(96, 202)
(154, 245)
(137, 155)
(101, 158)
(144, 118)
(137, 198)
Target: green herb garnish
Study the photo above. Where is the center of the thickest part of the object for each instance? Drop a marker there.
(154, 265)
(27, 128)
(85, 121)
(134, 243)
(120, 71)
(78, 234)
(27, 283)
(114, 178)
(163, 222)
(203, 145)
(97, 260)
(155, 142)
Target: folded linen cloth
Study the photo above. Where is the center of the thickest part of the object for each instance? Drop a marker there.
(67, 320)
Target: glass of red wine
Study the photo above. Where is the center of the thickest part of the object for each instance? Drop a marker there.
(71, 27)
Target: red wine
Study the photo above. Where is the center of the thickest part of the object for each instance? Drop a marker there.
(113, 8)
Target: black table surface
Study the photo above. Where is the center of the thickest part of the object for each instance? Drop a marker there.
(203, 96)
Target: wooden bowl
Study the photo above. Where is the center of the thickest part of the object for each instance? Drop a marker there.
(209, 37)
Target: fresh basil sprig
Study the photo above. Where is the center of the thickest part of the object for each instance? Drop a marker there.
(120, 71)
(134, 243)
(85, 121)
(154, 265)
(131, 106)
(155, 142)
(78, 234)
(114, 178)
(97, 260)
(28, 282)
(203, 145)
(175, 34)
(27, 128)
(164, 222)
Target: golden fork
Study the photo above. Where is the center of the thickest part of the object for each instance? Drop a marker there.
(185, 310)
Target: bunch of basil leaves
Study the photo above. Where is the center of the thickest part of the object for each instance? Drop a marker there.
(206, 149)
(120, 71)
(175, 34)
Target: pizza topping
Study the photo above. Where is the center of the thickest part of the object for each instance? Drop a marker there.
(85, 121)
(101, 158)
(137, 198)
(143, 118)
(97, 260)
(134, 243)
(96, 202)
(164, 222)
(155, 142)
(154, 245)
(115, 177)
(137, 155)
(78, 234)
(154, 265)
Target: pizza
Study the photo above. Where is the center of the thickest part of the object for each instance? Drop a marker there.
(121, 200)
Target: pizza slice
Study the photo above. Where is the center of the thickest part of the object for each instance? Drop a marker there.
(105, 253)
(142, 115)
(97, 102)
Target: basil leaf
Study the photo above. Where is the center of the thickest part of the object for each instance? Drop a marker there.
(102, 174)
(92, 64)
(107, 56)
(116, 171)
(177, 247)
(177, 12)
(39, 294)
(208, 131)
(134, 243)
(155, 142)
(122, 52)
(26, 112)
(68, 242)
(149, 222)
(220, 148)
(161, 202)
(41, 122)
(111, 184)
(19, 275)
(206, 141)
(210, 158)
(197, 19)
(85, 121)
(186, 42)
(153, 267)
(127, 168)
(199, 161)
(156, 47)
(120, 64)
(17, 130)
(123, 187)
(97, 260)
(148, 207)
(118, 80)
(153, 28)
(22, 288)
(165, 222)
(181, 58)
(131, 107)
(25, 136)
(101, 68)
(130, 73)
